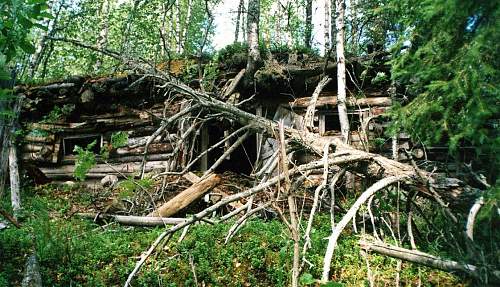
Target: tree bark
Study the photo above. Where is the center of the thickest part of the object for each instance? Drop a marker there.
(309, 26)
(134, 220)
(253, 37)
(311, 108)
(238, 16)
(14, 180)
(327, 26)
(341, 82)
(184, 198)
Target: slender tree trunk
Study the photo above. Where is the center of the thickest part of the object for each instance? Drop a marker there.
(341, 82)
(186, 25)
(309, 27)
(237, 30)
(253, 36)
(327, 26)
(14, 180)
(103, 34)
(178, 26)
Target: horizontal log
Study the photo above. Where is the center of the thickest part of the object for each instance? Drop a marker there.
(40, 139)
(32, 147)
(130, 167)
(134, 220)
(426, 259)
(351, 102)
(122, 158)
(154, 148)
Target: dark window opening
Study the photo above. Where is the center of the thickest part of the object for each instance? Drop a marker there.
(70, 143)
(332, 122)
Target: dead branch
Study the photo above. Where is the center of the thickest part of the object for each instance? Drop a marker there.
(134, 220)
(332, 240)
(311, 108)
(432, 261)
(469, 227)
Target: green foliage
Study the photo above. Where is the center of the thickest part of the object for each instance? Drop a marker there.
(58, 113)
(73, 252)
(18, 18)
(119, 139)
(85, 160)
(451, 74)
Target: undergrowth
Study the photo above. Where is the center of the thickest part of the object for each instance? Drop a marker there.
(76, 252)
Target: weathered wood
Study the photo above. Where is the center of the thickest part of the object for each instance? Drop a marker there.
(40, 139)
(350, 101)
(193, 178)
(9, 217)
(187, 196)
(134, 220)
(154, 148)
(311, 108)
(432, 261)
(122, 158)
(31, 147)
(129, 167)
(234, 83)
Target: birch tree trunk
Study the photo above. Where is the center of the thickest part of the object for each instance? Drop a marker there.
(178, 26)
(237, 29)
(14, 180)
(309, 27)
(253, 36)
(103, 35)
(186, 25)
(341, 82)
(327, 26)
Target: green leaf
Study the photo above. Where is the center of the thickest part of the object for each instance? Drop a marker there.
(307, 279)
(333, 284)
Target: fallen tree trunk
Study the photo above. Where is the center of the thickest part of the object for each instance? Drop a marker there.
(350, 102)
(193, 178)
(184, 198)
(32, 277)
(426, 259)
(134, 220)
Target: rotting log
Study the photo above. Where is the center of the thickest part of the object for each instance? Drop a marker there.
(193, 178)
(134, 220)
(187, 196)
(351, 102)
(426, 259)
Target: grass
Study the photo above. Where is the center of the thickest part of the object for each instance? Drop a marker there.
(75, 252)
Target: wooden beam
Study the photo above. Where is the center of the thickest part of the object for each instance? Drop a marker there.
(351, 102)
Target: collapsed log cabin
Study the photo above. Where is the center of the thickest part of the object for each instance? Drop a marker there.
(79, 111)
(235, 125)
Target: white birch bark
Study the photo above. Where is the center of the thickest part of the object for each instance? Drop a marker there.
(327, 26)
(341, 82)
(14, 180)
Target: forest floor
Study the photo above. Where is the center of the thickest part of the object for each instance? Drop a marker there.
(78, 252)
